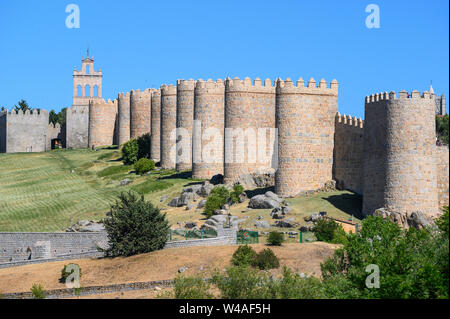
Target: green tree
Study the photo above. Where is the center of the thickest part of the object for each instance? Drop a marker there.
(442, 129)
(194, 287)
(266, 259)
(144, 165)
(61, 116)
(237, 191)
(22, 105)
(52, 117)
(130, 151)
(135, 226)
(325, 229)
(244, 255)
(275, 238)
(216, 199)
(144, 146)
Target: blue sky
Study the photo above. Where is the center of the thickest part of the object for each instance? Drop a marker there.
(141, 44)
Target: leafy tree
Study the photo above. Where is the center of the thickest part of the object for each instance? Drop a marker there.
(144, 146)
(52, 117)
(193, 287)
(442, 129)
(144, 165)
(2, 108)
(216, 199)
(244, 255)
(135, 226)
(325, 229)
(237, 191)
(22, 105)
(266, 259)
(130, 151)
(275, 238)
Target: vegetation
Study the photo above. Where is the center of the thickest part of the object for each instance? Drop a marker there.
(38, 291)
(151, 186)
(236, 192)
(114, 170)
(442, 128)
(22, 105)
(144, 146)
(275, 238)
(327, 230)
(216, 199)
(135, 226)
(266, 260)
(244, 256)
(59, 117)
(144, 165)
(192, 288)
(130, 151)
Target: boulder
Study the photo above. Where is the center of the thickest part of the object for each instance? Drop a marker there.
(242, 197)
(182, 269)
(415, 219)
(262, 224)
(190, 206)
(125, 181)
(206, 188)
(201, 203)
(287, 223)
(173, 202)
(196, 188)
(190, 225)
(186, 198)
(163, 198)
(273, 196)
(263, 202)
(246, 180)
(286, 210)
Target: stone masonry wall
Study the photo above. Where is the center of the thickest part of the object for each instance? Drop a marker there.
(168, 126)
(56, 131)
(123, 118)
(140, 113)
(155, 126)
(442, 175)
(184, 122)
(249, 109)
(102, 122)
(305, 118)
(26, 131)
(399, 161)
(348, 153)
(77, 126)
(3, 131)
(209, 118)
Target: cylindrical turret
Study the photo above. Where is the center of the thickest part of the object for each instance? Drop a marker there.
(124, 118)
(399, 164)
(168, 126)
(185, 120)
(140, 113)
(209, 117)
(249, 127)
(305, 119)
(102, 120)
(155, 126)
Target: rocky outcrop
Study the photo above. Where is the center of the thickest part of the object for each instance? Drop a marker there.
(405, 220)
(85, 226)
(268, 200)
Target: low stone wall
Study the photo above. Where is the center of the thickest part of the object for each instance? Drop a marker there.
(217, 241)
(92, 290)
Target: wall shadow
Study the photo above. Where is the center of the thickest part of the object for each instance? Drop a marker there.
(259, 191)
(348, 203)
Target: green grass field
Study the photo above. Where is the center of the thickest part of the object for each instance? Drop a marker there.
(51, 191)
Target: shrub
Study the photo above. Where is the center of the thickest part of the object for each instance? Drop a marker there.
(144, 146)
(216, 199)
(266, 260)
(192, 288)
(275, 238)
(292, 286)
(114, 170)
(135, 226)
(38, 291)
(324, 229)
(244, 256)
(339, 236)
(130, 152)
(237, 190)
(66, 273)
(144, 165)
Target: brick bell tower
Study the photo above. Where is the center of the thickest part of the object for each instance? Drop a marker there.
(87, 83)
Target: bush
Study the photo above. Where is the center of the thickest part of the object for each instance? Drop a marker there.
(144, 165)
(144, 146)
(292, 286)
(192, 288)
(275, 238)
(38, 291)
(216, 199)
(339, 236)
(66, 273)
(324, 229)
(244, 256)
(266, 260)
(135, 226)
(442, 128)
(130, 152)
(237, 190)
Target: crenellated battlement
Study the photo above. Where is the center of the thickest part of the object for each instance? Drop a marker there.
(102, 102)
(210, 86)
(185, 85)
(288, 87)
(124, 95)
(373, 98)
(247, 85)
(168, 89)
(347, 120)
(27, 113)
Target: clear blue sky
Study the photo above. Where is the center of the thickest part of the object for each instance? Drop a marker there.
(141, 44)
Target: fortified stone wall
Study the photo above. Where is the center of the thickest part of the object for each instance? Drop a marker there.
(399, 162)
(209, 129)
(442, 160)
(24, 131)
(155, 126)
(184, 122)
(77, 126)
(305, 118)
(3, 131)
(56, 132)
(348, 153)
(102, 122)
(15, 247)
(140, 112)
(123, 118)
(168, 126)
(249, 111)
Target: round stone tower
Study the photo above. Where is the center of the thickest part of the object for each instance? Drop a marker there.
(102, 120)
(168, 126)
(185, 121)
(155, 125)
(305, 118)
(399, 164)
(249, 127)
(140, 113)
(208, 132)
(123, 118)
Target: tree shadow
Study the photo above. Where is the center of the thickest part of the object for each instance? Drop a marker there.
(259, 191)
(348, 203)
(182, 175)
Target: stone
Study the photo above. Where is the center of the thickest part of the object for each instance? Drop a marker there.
(220, 212)
(246, 180)
(287, 223)
(190, 206)
(190, 225)
(201, 203)
(263, 202)
(286, 210)
(196, 188)
(182, 269)
(273, 196)
(206, 189)
(186, 198)
(125, 181)
(173, 202)
(225, 207)
(262, 224)
(242, 197)
(163, 198)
